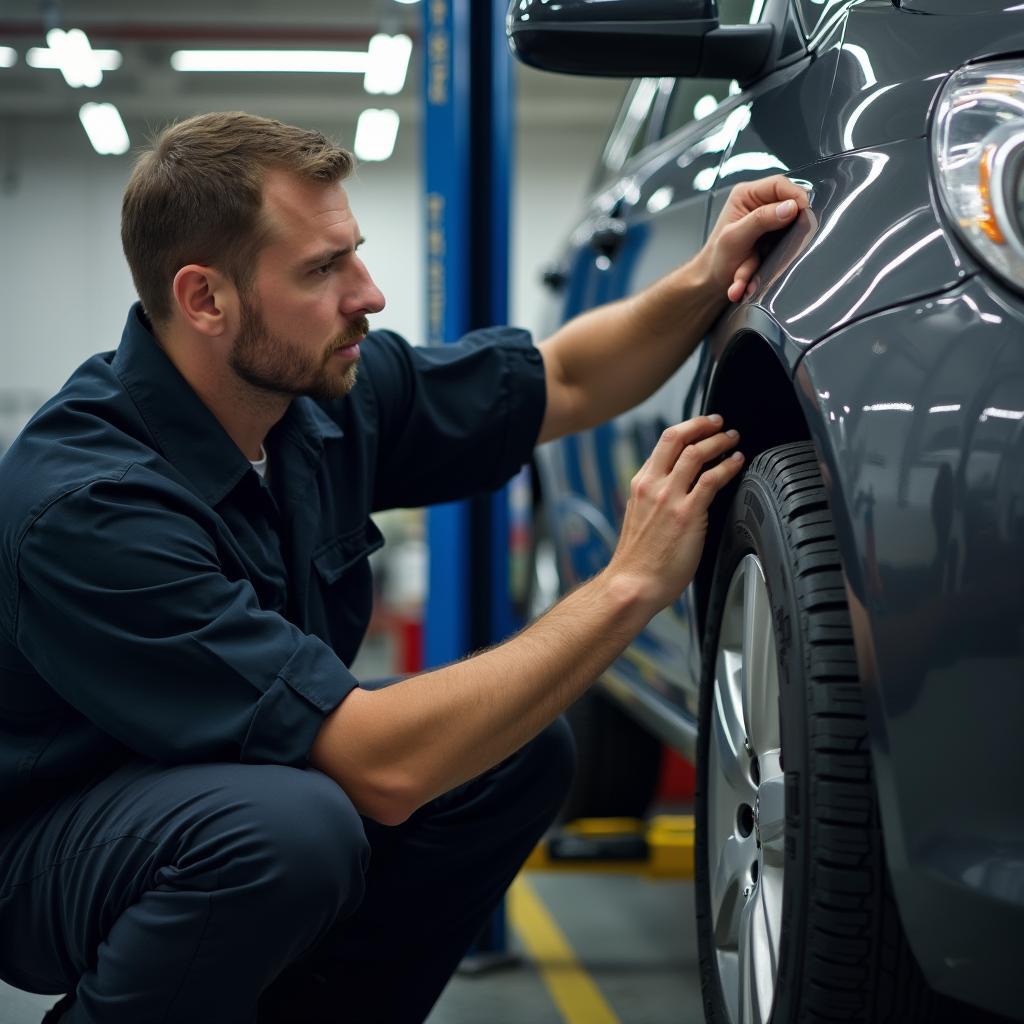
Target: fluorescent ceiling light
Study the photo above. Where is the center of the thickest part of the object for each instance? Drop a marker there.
(407, 1)
(8, 57)
(376, 132)
(329, 61)
(41, 57)
(77, 61)
(389, 61)
(106, 130)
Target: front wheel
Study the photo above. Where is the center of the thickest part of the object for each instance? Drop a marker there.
(795, 919)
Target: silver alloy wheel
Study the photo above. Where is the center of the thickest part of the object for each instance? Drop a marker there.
(746, 800)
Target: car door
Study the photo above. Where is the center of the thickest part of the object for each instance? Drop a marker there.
(648, 215)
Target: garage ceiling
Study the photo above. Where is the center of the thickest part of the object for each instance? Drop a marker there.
(147, 90)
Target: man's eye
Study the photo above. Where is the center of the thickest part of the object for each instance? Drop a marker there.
(324, 269)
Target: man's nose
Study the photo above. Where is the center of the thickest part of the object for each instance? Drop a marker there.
(365, 297)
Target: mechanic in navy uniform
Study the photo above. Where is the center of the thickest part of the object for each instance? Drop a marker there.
(205, 816)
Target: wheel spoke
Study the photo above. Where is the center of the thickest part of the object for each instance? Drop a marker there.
(729, 976)
(771, 812)
(769, 886)
(762, 960)
(727, 730)
(727, 881)
(747, 986)
(760, 677)
(771, 818)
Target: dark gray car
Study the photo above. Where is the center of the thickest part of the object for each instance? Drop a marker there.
(848, 666)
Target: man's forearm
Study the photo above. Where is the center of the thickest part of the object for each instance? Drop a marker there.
(615, 356)
(394, 749)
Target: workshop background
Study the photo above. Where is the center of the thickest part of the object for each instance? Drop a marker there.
(581, 947)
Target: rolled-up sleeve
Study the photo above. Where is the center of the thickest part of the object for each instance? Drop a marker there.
(453, 420)
(127, 609)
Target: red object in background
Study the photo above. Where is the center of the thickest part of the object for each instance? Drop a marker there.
(678, 778)
(404, 632)
(409, 649)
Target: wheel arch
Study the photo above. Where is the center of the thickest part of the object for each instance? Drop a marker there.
(752, 390)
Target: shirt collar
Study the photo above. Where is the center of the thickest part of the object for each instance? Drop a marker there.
(187, 433)
(306, 426)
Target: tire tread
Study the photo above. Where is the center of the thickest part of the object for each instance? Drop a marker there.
(854, 945)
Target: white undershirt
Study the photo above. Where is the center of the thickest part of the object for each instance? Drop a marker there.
(261, 465)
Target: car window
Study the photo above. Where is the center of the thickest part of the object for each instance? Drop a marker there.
(695, 98)
(692, 98)
(629, 132)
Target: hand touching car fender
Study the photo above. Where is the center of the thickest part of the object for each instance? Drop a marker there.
(611, 358)
(666, 518)
(753, 209)
(395, 748)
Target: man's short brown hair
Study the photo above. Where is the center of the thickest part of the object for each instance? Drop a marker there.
(195, 197)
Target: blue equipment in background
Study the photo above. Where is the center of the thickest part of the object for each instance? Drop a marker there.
(468, 102)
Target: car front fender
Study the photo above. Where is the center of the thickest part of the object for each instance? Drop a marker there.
(918, 416)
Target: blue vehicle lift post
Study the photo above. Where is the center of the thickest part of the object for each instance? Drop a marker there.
(468, 104)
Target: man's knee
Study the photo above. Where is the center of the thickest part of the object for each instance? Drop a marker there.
(260, 855)
(292, 836)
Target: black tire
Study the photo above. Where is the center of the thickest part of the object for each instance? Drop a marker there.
(841, 951)
(618, 762)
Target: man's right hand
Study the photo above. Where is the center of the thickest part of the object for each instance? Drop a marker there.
(666, 517)
(393, 749)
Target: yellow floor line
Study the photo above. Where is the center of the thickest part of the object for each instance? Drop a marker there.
(577, 997)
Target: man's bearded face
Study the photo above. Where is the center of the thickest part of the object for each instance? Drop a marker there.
(276, 364)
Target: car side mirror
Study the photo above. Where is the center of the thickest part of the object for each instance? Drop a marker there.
(635, 39)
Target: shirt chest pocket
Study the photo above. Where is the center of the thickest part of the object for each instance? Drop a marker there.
(337, 556)
(340, 612)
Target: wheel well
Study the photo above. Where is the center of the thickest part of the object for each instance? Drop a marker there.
(753, 392)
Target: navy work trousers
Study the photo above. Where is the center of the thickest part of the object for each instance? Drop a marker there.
(240, 893)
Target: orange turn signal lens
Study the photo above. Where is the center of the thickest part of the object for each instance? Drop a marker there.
(986, 220)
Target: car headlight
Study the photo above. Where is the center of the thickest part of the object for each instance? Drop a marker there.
(978, 148)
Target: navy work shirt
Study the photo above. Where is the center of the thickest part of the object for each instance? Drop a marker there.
(157, 598)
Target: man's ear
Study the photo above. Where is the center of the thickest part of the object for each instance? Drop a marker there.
(207, 300)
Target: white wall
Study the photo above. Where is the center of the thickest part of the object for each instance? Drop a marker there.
(553, 169)
(65, 287)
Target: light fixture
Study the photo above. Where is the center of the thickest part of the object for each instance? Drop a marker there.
(8, 57)
(388, 63)
(41, 57)
(407, 1)
(376, 132)
(77, 61)
(106, 130)
(322, 61)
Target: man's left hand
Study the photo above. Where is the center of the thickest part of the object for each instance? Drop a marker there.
(753, 209)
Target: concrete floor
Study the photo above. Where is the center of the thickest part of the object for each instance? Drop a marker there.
(634, 938)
